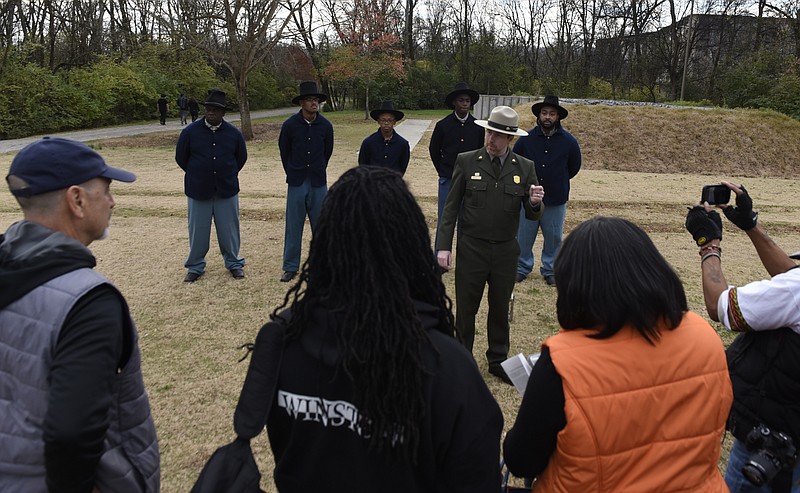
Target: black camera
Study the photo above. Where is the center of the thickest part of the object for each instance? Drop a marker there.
(772, 451)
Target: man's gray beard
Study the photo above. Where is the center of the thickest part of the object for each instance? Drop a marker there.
(104, 235)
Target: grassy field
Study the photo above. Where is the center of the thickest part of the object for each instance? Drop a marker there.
(644, 164)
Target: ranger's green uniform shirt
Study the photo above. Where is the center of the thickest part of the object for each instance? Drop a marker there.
(490, 203)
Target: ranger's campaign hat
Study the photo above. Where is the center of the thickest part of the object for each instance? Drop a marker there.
(216, 97)
(53, 163)
(387, 107)
(461, 88)
(504, 120)
(550, 100)
(309, 88)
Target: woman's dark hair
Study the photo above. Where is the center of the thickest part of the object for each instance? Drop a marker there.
(370, 260)
(609, 274)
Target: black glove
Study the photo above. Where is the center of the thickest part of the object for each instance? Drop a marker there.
(704, 226)
(742, 215)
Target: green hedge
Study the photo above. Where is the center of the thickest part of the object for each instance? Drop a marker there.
(112, 91)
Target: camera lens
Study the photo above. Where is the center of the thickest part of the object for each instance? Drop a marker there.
(754, 473)
(761, 468)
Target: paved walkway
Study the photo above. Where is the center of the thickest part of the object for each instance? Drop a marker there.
(412, 130)
(13, 145)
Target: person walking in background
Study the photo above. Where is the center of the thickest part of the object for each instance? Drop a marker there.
(374, 392)
(632, 394)
(306, 146)
(386, 147)
(194, 108)
(764, 359)
(163, 107)
(452, 135)
(212, 152)
(183, 108)
(557, 157)
(75, 412)
(493, 183)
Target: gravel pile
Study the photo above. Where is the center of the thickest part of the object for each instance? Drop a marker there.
(611, 102)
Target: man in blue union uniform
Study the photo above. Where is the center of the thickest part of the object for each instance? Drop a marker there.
(385, 148)
(557, 157)
(452, 135)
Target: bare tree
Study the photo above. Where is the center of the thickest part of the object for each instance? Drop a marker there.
(589, 14)
(790, 10)
(673, 46)
(436, 38)
(408, 29)
(642, 15)
(527, 18)
(562, 50)
(464, 36)
(7, 16)
(309, 27)
(241, 35)
(714, 33)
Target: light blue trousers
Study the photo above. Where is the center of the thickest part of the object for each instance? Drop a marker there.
(301, 201)
(225, 213)
(552, 225)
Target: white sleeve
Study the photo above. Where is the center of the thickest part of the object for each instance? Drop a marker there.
(762, 305)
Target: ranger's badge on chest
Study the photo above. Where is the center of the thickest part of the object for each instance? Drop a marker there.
(516, 179)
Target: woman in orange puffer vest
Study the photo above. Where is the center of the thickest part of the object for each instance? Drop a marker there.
(633, 393)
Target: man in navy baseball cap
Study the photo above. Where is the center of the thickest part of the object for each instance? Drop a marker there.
(71, 365)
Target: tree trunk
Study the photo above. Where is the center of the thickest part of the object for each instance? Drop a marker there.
(366, 103)
(409, 29)
(244, 107)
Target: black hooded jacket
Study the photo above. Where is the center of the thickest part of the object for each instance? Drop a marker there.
(315, 436)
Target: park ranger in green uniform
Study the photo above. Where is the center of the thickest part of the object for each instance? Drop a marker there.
(488, 187)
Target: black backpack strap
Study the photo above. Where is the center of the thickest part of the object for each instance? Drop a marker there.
(261, 382)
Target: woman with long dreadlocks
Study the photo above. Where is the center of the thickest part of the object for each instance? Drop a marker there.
(374, 392)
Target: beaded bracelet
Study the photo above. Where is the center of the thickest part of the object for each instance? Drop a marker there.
(712, 254)
(707, 248)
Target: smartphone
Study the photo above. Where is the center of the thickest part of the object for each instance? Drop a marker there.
(715, 194)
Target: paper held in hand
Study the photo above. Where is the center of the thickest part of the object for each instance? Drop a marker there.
(518, 368)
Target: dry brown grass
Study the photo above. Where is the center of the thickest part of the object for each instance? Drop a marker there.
(686, 140)
(642, 164)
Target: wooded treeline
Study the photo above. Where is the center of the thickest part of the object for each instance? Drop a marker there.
(70, 63)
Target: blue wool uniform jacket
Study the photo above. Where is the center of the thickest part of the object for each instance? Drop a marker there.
(450, 138)
(306, 149)
(393, 153)
(557, 159)
(211, 159)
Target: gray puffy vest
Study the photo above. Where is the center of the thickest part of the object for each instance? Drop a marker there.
(29, 329)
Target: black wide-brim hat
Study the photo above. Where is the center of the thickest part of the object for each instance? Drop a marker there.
(216, 97)
(309, 88)
(550, 101)
(387, 107)
(462, 88)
